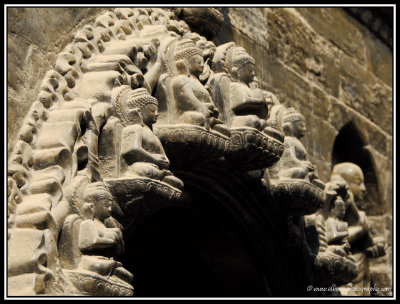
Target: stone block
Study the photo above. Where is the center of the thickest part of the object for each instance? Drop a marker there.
(32, 251)
(297, 45)
(340, 29)
(54, 135)
(366, 94)
(340, 114)
(379, 59)
(40, 220)
(35, 203)
(45, 26)
(28, 284)
(49, 185)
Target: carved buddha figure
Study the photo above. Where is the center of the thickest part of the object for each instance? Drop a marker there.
(87, 244)
(361, 242)
(141, 149)
(194, 104)
(248, 105)
(294, 163)
(336, 228)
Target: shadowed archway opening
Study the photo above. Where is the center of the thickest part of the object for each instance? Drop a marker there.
(182, 253)
(215, 241)
(349, 147)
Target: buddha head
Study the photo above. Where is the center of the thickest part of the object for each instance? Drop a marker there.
(293, 123)
(189, 57)
(242, 65)
(101, 198)
(135, 106)
(339, 208)
(354, 177)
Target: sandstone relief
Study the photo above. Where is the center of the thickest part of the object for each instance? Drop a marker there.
(135, 99)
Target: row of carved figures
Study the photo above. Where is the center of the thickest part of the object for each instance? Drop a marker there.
(132, 96)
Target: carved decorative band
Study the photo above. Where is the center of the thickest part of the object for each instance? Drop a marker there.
(332, 268)
(195, 143)
(96, 285)
(296, 197)
(138, 186)
(254, 150)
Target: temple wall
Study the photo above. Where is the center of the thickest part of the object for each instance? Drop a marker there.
(318, 60)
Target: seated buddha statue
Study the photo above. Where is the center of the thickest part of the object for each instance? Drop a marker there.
(247, 103)
(193, 102)
(294, 163)
(86, 244)
(141, 150)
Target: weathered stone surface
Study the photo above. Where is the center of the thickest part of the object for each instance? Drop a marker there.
(35, 36)
(299, 47)
(339, 29)
(352, 38)
(33, 23)
(251, 23)
(365, 93)
(379, 59)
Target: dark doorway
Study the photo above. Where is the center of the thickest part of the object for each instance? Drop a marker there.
(349, 147)
(179, 252)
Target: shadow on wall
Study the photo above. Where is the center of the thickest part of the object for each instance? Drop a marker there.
(349, 147)
(225, 33)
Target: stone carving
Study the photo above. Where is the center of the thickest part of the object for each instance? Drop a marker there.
(193, 123)
(59, 142)
(88, 247)
(292, 181)
(87, 164)
(362, 245)
(328, 239)
(243, 107)
(141, 151)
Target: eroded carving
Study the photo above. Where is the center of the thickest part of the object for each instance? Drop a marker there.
(88, 247)
(243, 106)
(328, 239)
(190, 107)
(141, 150)
(292, 181)
(362, 245)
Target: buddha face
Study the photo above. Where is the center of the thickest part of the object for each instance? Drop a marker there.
(196, 65)
(354, 177)
(356, 184)
(299, 128)
(150, 114)
(340, 208)
(102, 208)
(246, 72)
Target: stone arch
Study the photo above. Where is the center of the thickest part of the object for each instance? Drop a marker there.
(350, 146)
(59, 141)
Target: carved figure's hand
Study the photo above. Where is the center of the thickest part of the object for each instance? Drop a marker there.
(161, 161)
(309, 166)
(258, 93)
(378, 249)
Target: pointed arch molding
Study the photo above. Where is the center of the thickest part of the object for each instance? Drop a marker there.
(57, 147)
